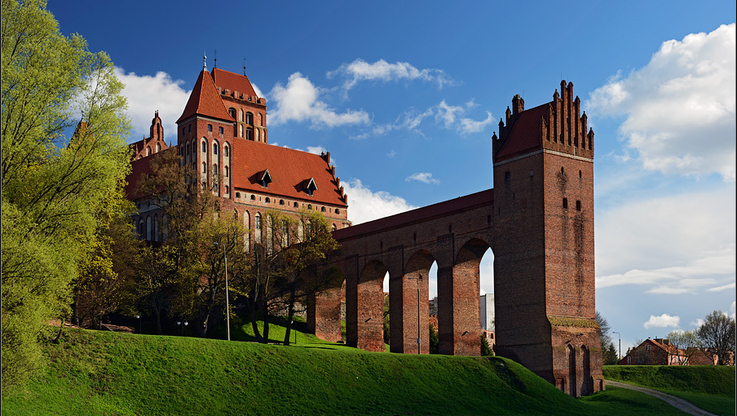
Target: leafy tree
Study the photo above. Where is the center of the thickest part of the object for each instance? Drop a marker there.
(608, 351)
(718, 332)
(434, 340)
(53, 188)
(687, 341)
(485, 348)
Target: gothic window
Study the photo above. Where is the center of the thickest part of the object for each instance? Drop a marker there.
(187, 147)
(158, 148)
(240, 115)
(214, 148)
(334, 228)
(296, 205)
(241, 126)
(337, 211)
(148, 228)
(284, 233)
(215, 169)
(260, 122)
(258, 139)
(322, 209)
(257, 228)
(204, 147)
(190, 128)
(226, 149)
(268, 200)
(281, 202)
(249, 118)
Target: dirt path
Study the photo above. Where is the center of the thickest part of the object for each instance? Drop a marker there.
(674, 401)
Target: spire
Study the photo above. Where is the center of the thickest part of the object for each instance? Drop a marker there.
(244, 67)
(215, 65)
(204, 61)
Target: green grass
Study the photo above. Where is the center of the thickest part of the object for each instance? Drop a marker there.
(105, 373)
(711, 388)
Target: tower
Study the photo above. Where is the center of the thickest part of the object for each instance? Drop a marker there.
(544, 242)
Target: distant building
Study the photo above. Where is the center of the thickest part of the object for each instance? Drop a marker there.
(660, 351)
(487, 312)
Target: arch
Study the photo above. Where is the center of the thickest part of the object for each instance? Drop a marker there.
(231, 111)
(370, 317)
(226, 150)
(214, 147)
(141, 228)
(587, 384)
(249, 133)
(571, 353)
(204, 145)
(257, 227)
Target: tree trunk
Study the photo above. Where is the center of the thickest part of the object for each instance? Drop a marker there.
(265, 313)
(290, 317)
(254, 324)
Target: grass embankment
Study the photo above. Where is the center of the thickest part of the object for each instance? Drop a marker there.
(712, 388)
(94, 372)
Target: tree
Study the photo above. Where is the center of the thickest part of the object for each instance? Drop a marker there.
(686, 341)
(608, 351)
(434, 340)
(718, 332)
(53, 188)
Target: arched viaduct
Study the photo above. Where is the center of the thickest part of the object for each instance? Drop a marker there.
(538, 221)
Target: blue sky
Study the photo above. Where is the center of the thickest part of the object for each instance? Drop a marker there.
(406, 95)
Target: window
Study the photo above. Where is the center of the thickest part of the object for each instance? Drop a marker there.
(226, 149)
(190, 128)
(227, 171)
(220, 130)
(257, 228)
(253, 197)
(260, 123)
(281, 202)
(337, 211)
(249, 133)
(322, 209)
(204, 167)
(214, 148)
(237, 194)
(580, 174)
(284, 233)
(204, 147)
(215, 169)
(240, 115)
(578, 205)
(309, 206)
(148, 151)
(187, 147)
(209, 127)
(231, 111)
(227, 191)
(565, 203)
(249, 118)
(296, 205)
(507, 176)
(268, 200)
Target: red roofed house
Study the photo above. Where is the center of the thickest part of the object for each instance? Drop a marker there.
(222, 133)
(661, 352)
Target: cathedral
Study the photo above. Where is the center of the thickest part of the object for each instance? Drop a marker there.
(222, 134)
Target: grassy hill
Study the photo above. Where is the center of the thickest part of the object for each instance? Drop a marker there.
(105, 373)
(710, 387)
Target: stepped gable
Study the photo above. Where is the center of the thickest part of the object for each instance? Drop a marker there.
(205, 100)
(290, 171)
(556, 126)
(226, 80)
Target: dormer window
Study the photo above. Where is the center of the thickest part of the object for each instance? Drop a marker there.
(265, 179)
(310, 187)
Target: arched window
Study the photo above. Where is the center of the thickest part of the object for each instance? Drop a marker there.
(268, 200)
(227, 191)
(241, 126)
(148, 151)
(257, 227)
(249, 118)
(247, 226)
(334, 227)
(214, 148)
(187, 148)
(296, 205)
(141, 228)
(215, 169)
(260, 123)
(231, 111)
(227, 171)
(226, 149)
(240, 115)
(204, 167)
(249, 133)
(204, 146)
(322, 209)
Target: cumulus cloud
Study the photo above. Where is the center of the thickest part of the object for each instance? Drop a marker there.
(360, 70)
(366, 205)
(662, 321)
(424, 177)
(300, 101)
(674, 244)
(147, 94)
(445, 115)
(680, 108)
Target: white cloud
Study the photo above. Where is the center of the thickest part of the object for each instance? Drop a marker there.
(469, 126)
(360, 70)
(662, 321)
(147, 94)
(674, 244)
(451, 118)
(424, 177)
(724, 287)
(300, 101)
(679, 108)
(365, 205)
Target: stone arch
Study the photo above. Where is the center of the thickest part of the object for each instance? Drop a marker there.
(571, 353)
(370, 317)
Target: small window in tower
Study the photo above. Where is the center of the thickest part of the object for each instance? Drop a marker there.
(565, 203)
(580, 174)
(227, 189)
(204, 167)
(226, 149)
(507, 176)
(220, 130)
(578, 205)
(214, 148)
(209, 127)
(204, 147)
(227, 171)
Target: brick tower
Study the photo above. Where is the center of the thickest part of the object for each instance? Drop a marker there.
(544, 242)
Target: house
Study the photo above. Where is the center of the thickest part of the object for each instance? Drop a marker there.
(660, 351)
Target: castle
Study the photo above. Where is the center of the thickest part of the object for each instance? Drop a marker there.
(538, 219)
(222, 135)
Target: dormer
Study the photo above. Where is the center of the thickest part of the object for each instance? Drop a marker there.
(309, 186)
(265, 179)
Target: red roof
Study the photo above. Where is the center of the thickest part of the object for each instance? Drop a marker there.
(462, 203)
(233, 82)
(290, 171)
(139, 167)
(525, 134)
(205, 100)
